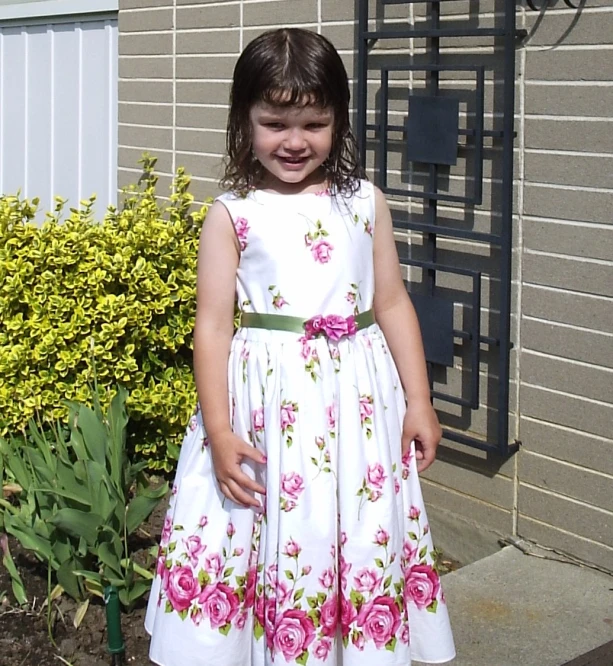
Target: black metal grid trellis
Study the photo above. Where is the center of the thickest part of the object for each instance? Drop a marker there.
(432, 132)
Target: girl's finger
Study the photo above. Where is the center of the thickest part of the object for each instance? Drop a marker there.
(242, 497)
(245, 481)
(252, 453)
(227, 493)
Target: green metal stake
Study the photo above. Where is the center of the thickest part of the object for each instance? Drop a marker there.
(114, 639)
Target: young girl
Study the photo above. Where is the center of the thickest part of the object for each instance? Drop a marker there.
(296, 531)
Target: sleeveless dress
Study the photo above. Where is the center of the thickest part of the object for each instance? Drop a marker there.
(338, 569)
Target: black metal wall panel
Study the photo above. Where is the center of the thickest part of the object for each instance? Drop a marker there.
(433, 131)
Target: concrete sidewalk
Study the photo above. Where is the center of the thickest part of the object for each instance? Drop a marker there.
(512, 609)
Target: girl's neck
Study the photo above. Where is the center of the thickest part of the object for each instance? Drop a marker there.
(316, 182)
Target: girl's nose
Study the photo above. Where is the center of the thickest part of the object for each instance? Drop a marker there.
(295, 140)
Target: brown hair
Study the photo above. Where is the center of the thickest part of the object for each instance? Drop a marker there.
(289, 67)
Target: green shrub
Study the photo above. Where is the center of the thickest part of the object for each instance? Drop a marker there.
(118, 295)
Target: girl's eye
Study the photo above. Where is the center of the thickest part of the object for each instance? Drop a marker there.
(275, 126)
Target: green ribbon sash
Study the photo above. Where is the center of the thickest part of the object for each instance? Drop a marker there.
(278, 322)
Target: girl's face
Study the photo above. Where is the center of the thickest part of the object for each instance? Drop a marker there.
(291, 143)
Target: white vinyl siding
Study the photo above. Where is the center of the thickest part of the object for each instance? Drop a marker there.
(58, 109)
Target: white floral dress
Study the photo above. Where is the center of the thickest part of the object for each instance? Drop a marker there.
(338, 570)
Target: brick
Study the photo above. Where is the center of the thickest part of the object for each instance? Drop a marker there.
(204, 189)
(145, 114)
(575, 65)
(593, 28)
(567, 342)
(197, 92)
(594, 136)
(571, 446)
(338, 10)
(280, 12)
(573, 517)
(565, 410)
(145, 91)
(567, 543)
(342, 35)
(129, 157)
(568, 308)
(201, 117)
(145, 44)
(591, 242)
(572, 274)
(145, 68)
(202, 67)
(567, 480)
(573, 170)
(196, 2)
(158, 19)
(567, 204)
(211, 41)
(149, 138)
(561, 100)
(217, 16)
(202, 166)
(561, 375)
(201, 141)
(489, 487)
(486, 515)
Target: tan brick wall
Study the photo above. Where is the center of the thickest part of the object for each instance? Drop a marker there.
(176, 60)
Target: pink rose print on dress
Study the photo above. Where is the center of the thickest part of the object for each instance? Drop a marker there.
(193, 549)
(366, 411)
(294, 633)
(344, 569)
(381, 537)
(182, 588)
(329, 616)
(257, 424)
(327, 578)
(422, 585)
(322, 648)
(406, 463)
(292, 549)
(372, 485)
(288, 418)
(366, 580)
(277, 299)
(322, 251)
(405, 635)
(310, 356)
(219, 603)
(166, 531)
(292, 486)
(213, 564)
(250, 585)
(193, 423)
(380, 620)
(331, 419)
(348, 616)
(242, 229)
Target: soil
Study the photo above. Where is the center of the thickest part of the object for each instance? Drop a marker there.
(24, 634)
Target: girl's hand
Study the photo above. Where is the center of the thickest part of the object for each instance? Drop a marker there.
(227, 452)
(421, 425)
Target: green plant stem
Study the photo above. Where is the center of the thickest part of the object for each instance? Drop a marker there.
(49, 628)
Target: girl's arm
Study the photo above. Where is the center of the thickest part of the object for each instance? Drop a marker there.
(218, 256)
(396, 316)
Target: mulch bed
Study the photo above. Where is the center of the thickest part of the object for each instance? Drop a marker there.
(24, 634)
